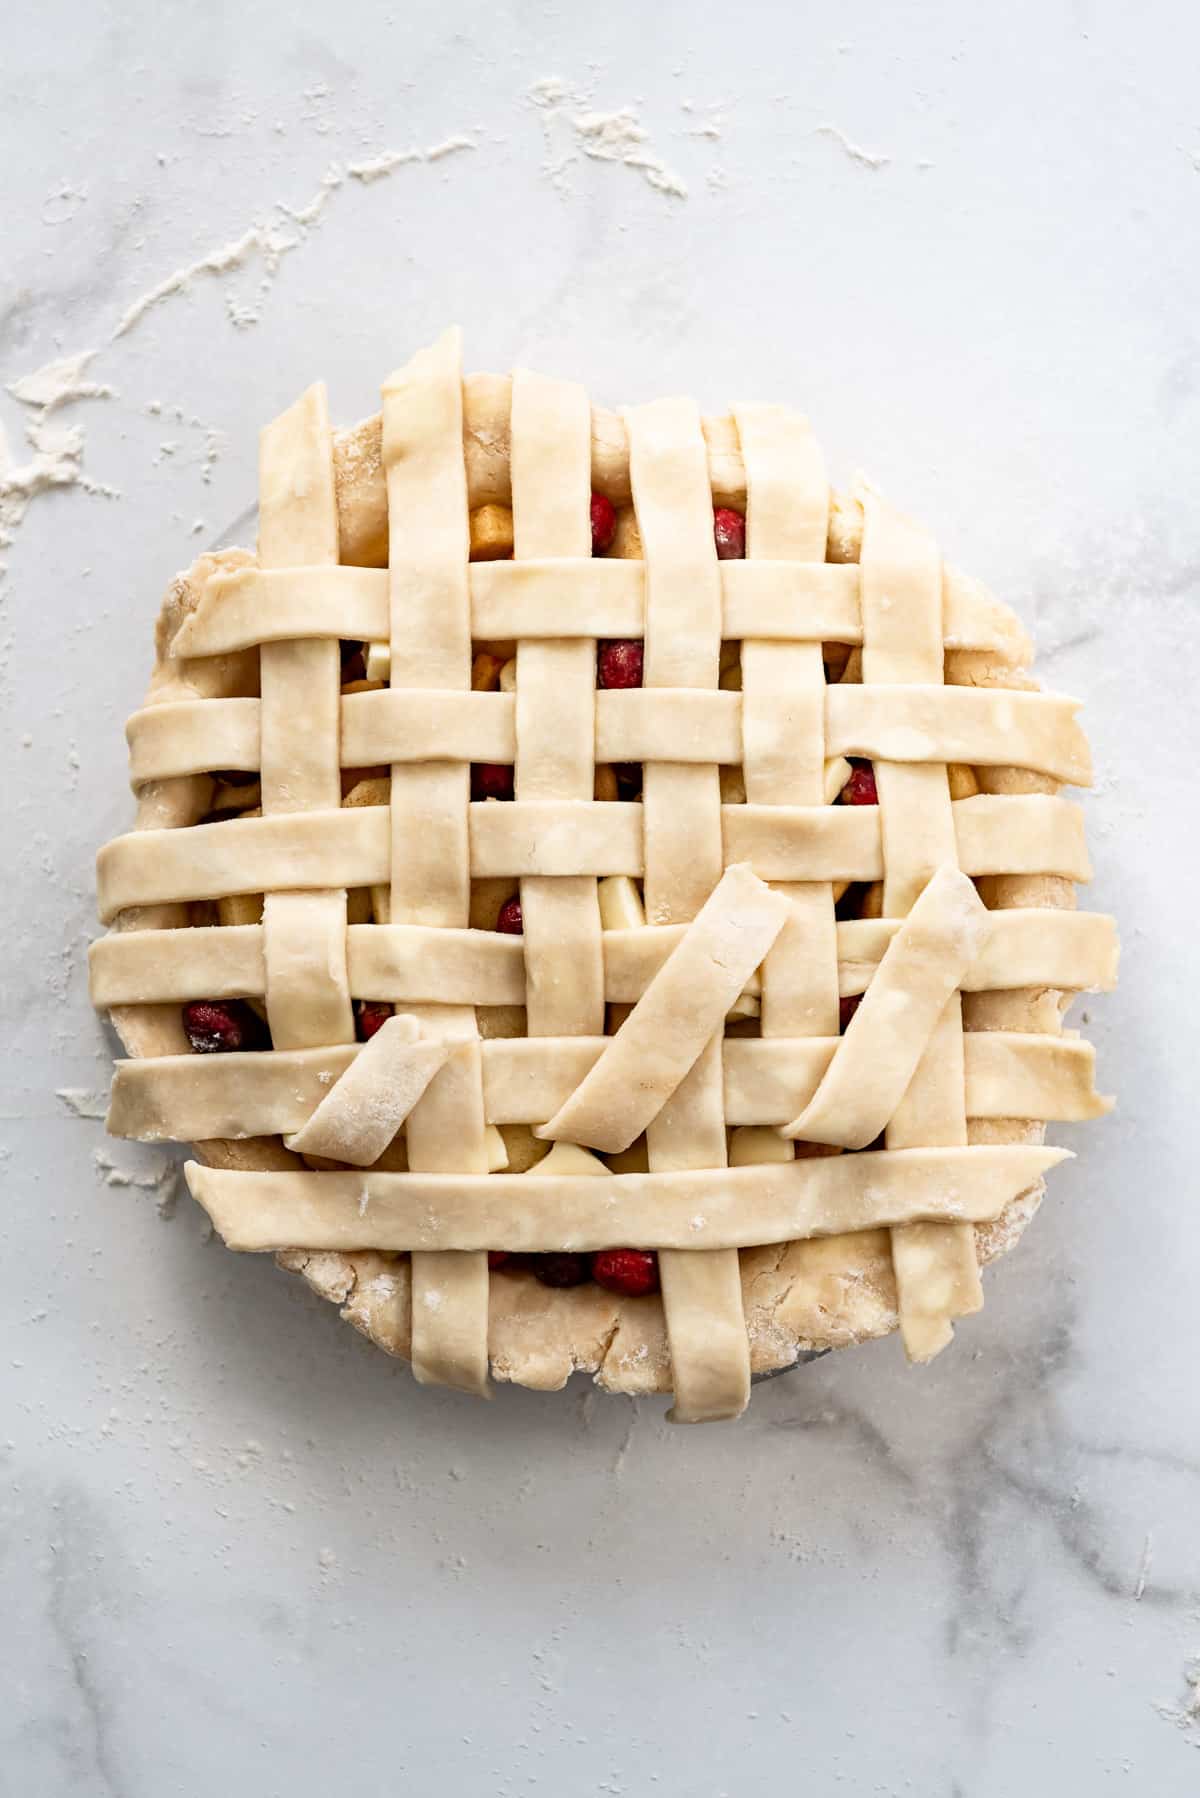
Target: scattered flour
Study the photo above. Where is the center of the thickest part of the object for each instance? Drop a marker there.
(380, 166)
(57, 459)
(1186, 1716)
(62, 205)
(618, 137)
(870, 159)
(59, 383)
(162, 1178)
(711, 127)
(570, 125)
(82, 1103)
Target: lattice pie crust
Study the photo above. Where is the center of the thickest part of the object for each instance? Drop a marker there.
(639, 1064)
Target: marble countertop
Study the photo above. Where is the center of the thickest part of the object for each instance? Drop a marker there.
(242, 1551)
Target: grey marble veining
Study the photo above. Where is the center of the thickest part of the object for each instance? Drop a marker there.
(240, 1550)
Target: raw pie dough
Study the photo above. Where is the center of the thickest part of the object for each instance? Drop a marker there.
(841, 634)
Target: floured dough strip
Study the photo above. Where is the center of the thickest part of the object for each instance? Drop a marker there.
(878, 1056)
(1073, 951)
(772, 600)
(684, 1005)
(687, 1208)
(361, 1113)
(191, 1098)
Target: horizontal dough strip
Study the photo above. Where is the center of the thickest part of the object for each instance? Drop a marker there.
(557, 597)
(192, 1098)
(1028, 833)
(422, 964)
(487, 407)
(983, 726)
(712, 1208)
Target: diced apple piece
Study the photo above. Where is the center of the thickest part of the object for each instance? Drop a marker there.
(491, 533)
(750, 1145)
(497, 1154)
(569, 1158)
(837, 773)
(621, 905)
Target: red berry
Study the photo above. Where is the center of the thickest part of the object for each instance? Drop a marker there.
(497, 1258)
(561, 1270)
(729, 534)
(235, 777)
(604, 524)
(491, 780)
(860, 789)
(354, 662)
(846, 1010)
(620, 663)
(629, 779)
(510, 920)
(218, 1026)
(370, 1016)
(631, 1272)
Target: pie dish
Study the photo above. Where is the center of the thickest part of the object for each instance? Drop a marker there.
(626, 885)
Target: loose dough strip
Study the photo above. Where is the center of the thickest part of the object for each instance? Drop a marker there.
(361, 1113)
(888, 1034)
(689, 1209)
(684, 1005)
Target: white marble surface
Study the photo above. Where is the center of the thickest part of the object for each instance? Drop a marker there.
(241, 1551)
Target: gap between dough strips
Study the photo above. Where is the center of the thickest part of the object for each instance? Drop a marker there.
(618, 758)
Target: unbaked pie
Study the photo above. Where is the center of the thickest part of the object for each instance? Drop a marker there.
(598, 900)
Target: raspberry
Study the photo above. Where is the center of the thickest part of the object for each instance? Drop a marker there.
(491, 780)
(860, 789)
(497, 1258)
(510, 920)
(630, 1272)
(604, 524)
(561, 1270)
(219, 1026)
(620, 663)
(369, 1016)
(846, 1010)
(729, 534)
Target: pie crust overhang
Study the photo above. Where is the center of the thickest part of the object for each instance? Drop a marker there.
(841, 633)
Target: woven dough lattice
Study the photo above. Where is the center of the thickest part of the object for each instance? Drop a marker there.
(803, 1049)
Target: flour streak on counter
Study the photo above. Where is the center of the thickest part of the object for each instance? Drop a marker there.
(571, 125)
(57, 458)
(284, 230)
